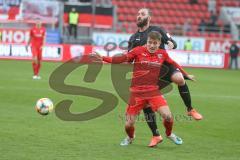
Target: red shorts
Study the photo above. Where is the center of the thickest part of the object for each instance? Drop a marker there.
(37, 52)
(138, 102)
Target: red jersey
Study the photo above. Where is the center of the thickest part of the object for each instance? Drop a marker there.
(37, 36)
(146, 68)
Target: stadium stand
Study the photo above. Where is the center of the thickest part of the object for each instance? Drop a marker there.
(179, 17)
(174, 12)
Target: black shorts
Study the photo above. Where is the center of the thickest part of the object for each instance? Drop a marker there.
(166, 72)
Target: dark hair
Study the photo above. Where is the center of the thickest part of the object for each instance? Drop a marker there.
(155, 35)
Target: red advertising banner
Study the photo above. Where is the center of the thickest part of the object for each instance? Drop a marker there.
(63, 52)
(14, 35)
(66, 52)
(19, 51)
(218, 45)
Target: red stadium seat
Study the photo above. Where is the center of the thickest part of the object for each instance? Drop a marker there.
(166, 12)
(192, 14)
(188, 7)
(203, 8)
(128, 4)
(226, 35)
(121, 3)
(200, 15)
(174, 6)
(213, 35)
(166, 5)
(159, 5)
(185, 14)
(121, 17)
(196, 7)
(171, 13)
(132, 11)
(136, 4)
(175, 20)
(178, 14)
(156, 12)
(151, 5)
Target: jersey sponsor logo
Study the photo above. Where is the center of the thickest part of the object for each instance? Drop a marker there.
(38, 35)
(144, 54)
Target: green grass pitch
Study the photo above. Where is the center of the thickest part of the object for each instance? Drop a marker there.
(26, 135)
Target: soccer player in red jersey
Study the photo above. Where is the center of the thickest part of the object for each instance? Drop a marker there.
(172, 74)
(37, 41)
(144, 87)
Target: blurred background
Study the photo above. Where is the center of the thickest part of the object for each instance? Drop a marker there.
(210, 26)
(204, 31)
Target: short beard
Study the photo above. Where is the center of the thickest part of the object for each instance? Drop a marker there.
(143, 23)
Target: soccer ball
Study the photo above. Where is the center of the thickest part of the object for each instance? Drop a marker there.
(44, 106)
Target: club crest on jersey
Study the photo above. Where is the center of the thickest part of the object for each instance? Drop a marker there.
(159, 56)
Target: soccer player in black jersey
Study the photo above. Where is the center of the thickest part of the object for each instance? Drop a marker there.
(172, 74)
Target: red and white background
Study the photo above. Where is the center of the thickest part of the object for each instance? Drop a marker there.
(207, 53)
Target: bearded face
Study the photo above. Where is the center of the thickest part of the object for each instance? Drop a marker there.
(142, 18)
(141, 22)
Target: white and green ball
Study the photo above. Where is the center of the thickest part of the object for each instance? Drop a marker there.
(44, 106)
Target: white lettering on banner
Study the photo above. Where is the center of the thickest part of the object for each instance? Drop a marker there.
(200, 59)
(7, 36)
(20, 51)
(181, 58)
(5, 50)
(217, 46)
(18, 37)
(52, 52)
(15, 36)
(100, 39)
(76, 50)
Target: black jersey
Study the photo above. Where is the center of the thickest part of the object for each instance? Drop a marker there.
(140, 38)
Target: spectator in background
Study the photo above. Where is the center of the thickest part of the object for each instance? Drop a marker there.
(202, 26)
(188, 45)
(212, 5)
(213, 18)
(193, 1)
(86, 1)
(178, 30)
(234, 51)
(73, 22)
(187, 26)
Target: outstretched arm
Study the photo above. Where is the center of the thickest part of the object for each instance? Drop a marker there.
(128, 57)
(116, 59)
